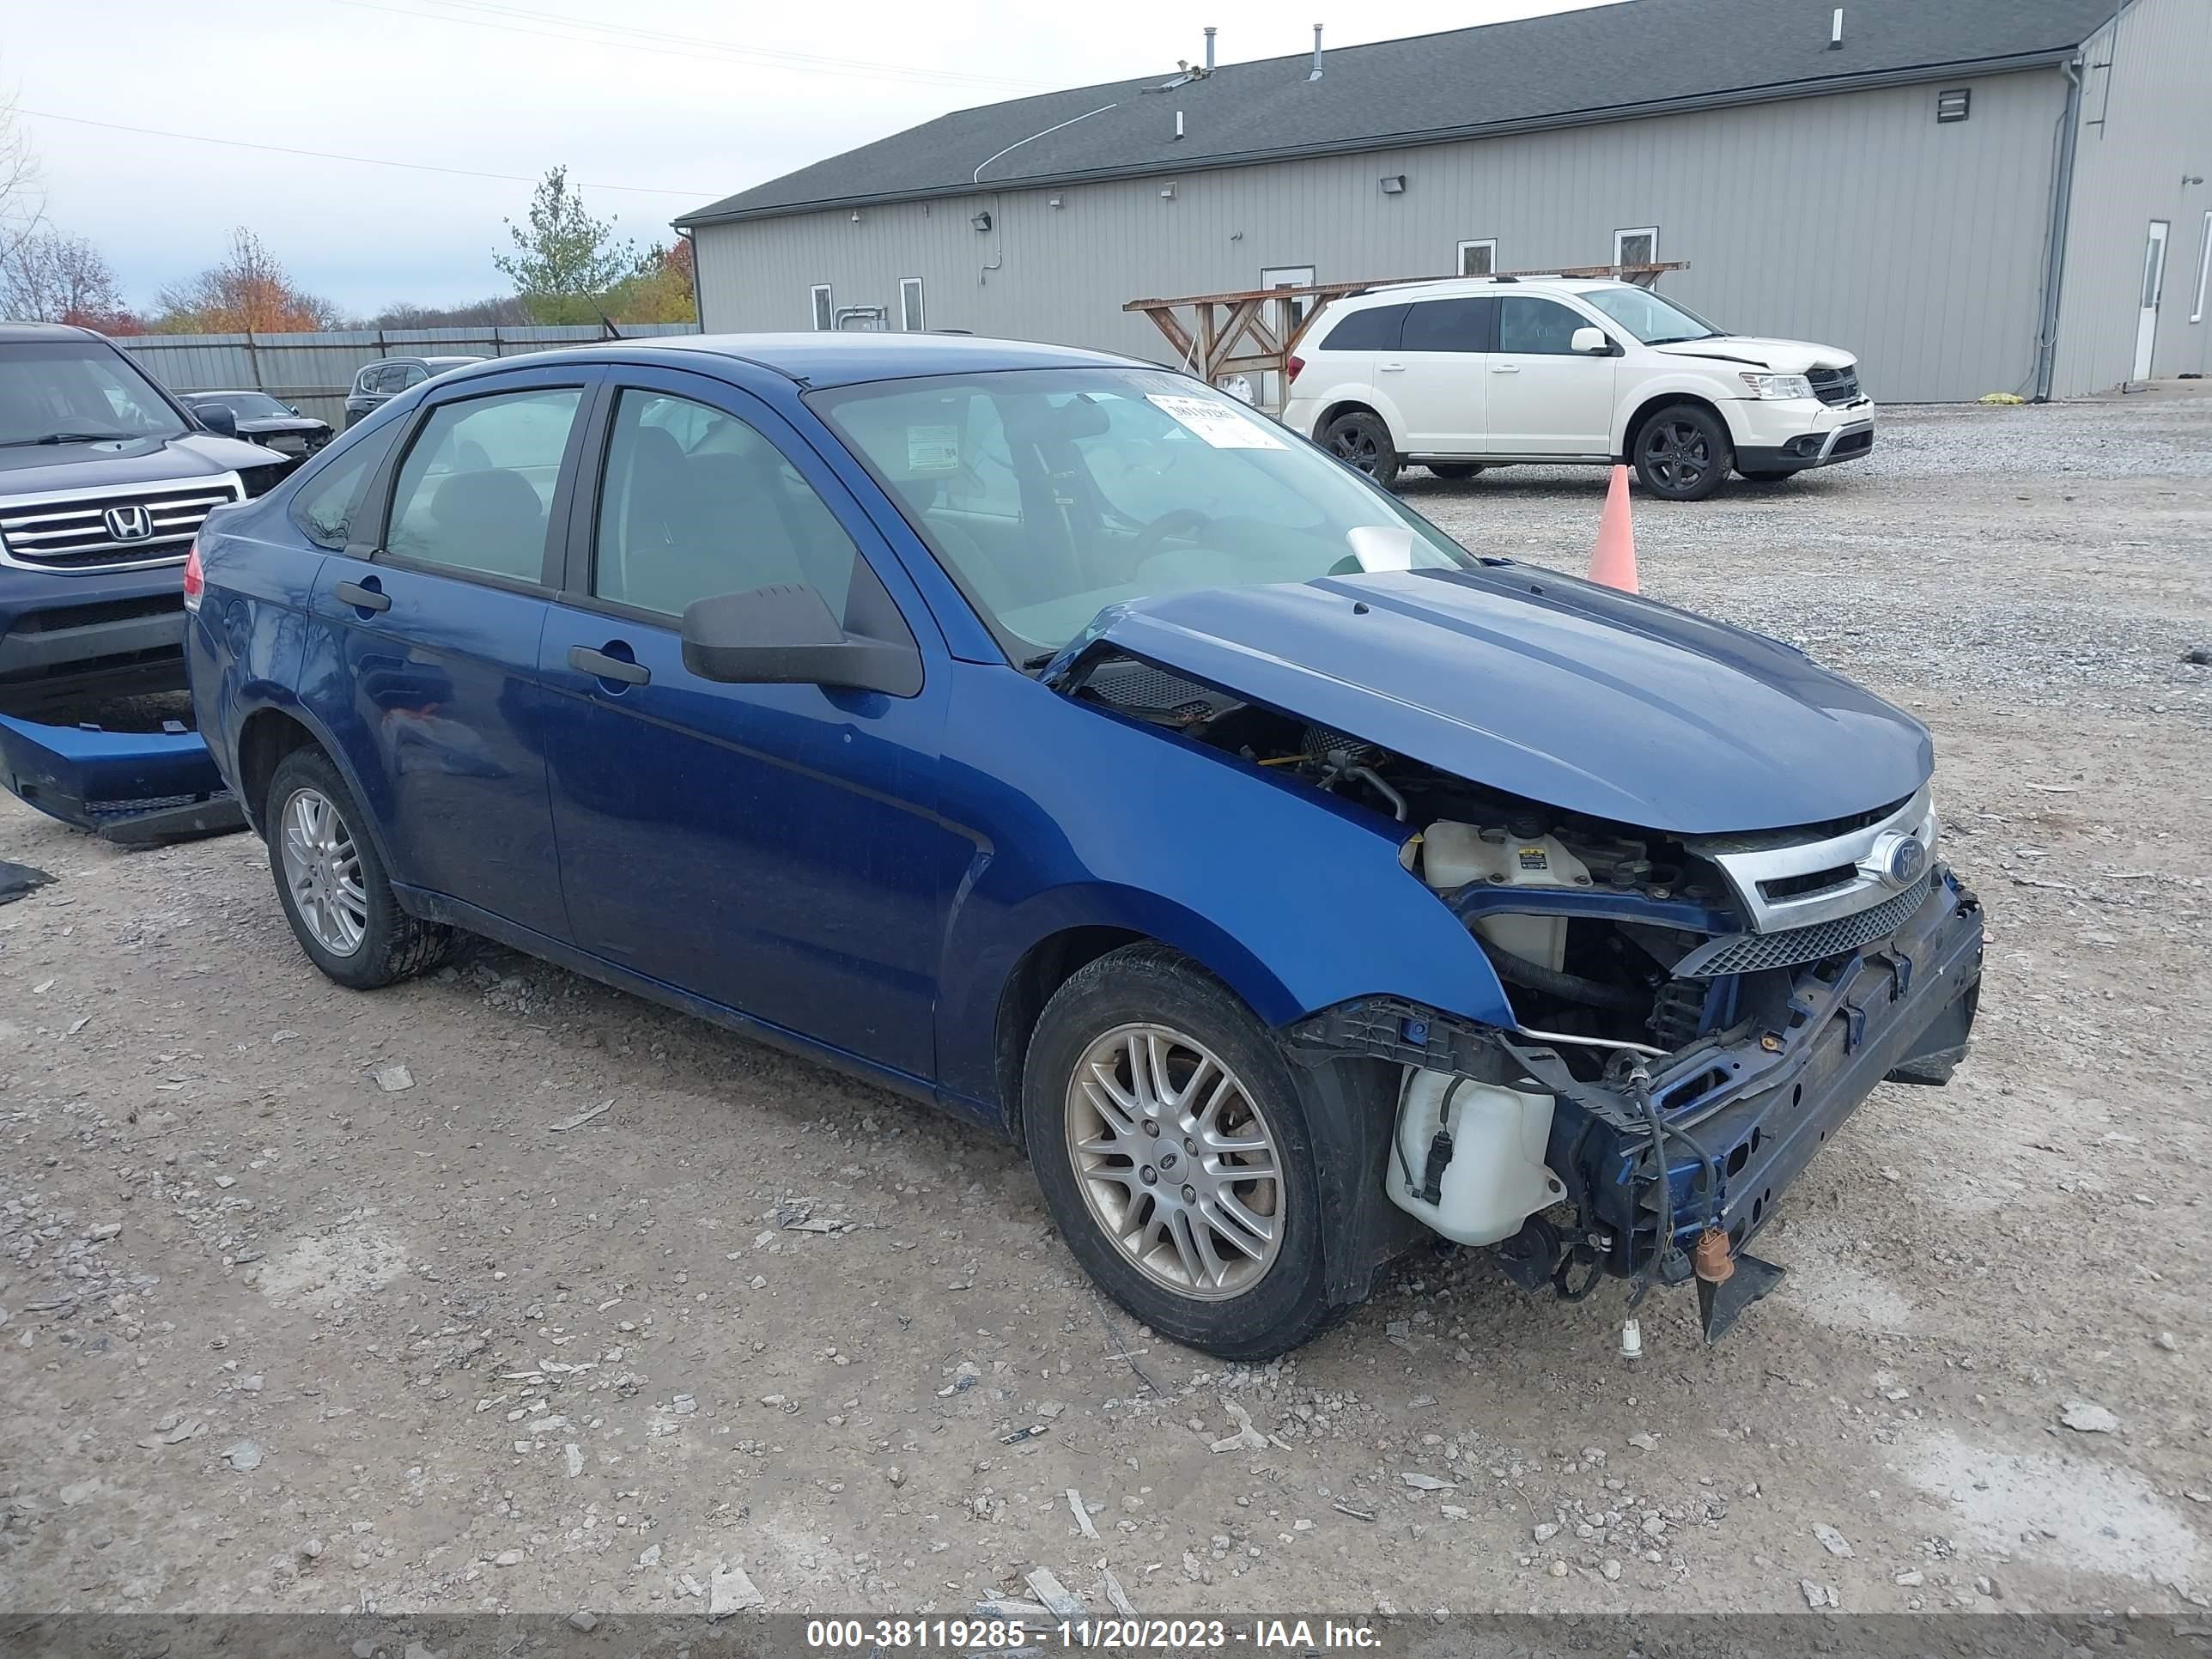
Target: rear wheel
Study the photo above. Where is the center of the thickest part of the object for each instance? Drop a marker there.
(1682, 453)
(1361, 440)
(1178, 1155)
(332, 884)
(1454, 471)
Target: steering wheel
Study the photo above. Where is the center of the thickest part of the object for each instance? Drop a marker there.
(1181, 519)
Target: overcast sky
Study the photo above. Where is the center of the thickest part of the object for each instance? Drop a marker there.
(681, 102)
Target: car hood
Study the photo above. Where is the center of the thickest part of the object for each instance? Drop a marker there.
(33, 468)
(1779, 356)
(1583, 698)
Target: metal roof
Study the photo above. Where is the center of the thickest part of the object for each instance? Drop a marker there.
(1604, 62)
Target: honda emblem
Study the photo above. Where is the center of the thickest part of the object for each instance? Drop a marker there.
(131, 522)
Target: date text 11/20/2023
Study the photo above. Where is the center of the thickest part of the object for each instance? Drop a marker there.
(1149, 1635)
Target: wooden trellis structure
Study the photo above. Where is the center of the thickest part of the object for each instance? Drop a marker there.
(1255, 330)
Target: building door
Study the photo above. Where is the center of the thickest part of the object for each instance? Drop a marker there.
(2153, 279)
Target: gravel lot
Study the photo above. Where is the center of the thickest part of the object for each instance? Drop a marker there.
(312, 1302)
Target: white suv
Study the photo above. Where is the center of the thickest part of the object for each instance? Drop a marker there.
(1470, 373)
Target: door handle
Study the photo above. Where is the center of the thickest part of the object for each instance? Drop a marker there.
(1505, 368)
(600, 665)
(1390, 369)
(364, 596)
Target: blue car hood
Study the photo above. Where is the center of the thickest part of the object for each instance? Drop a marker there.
(1576, 695)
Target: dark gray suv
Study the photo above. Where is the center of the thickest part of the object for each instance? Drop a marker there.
(388, 377)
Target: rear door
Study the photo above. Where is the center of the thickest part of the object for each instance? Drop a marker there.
(1436, 376)
(423, 654)
(1546, 398)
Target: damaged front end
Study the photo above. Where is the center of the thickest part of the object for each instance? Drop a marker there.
(1693, 1014)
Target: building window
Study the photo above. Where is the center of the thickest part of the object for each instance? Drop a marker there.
(825, 315)
(1479, 258)
(911, 304)
(1635, 247)
(2203, 268)
(1953, 106)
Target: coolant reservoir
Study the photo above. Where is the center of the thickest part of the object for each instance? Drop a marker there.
(1454, 855)
(1489, 1176)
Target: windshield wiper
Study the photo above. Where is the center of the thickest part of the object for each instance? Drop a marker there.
(74, 438)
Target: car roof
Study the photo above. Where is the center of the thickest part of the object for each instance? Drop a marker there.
(21, 333)
(826, 358)
(233, 391)
(1454, 287)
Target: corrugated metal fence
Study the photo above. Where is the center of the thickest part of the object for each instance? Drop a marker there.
(314, 372)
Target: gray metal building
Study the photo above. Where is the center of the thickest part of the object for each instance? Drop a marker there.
(1974, 194)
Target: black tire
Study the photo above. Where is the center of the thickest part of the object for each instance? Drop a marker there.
(1682, 453)
(1361, 439)
(1758, 476)
(393, 944)
(1284, 1304)
(1454, 471)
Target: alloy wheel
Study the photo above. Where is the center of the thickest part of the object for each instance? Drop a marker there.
(1357, 448)
(1678, 454)
(323, 870)
(1176, 1161)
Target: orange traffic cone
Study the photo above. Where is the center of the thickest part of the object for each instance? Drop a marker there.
(1614, 561)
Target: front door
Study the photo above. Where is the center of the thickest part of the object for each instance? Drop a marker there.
(1436, 377)
(1546, 398)
(2154, 283)
(424, 653)
(771, 848)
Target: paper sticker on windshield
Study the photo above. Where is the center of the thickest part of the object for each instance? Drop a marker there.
(933, 449)
(1220, 424)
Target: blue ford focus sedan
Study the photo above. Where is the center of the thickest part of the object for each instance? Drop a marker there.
(1045, 736)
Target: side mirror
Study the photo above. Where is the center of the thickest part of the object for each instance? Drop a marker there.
(218, 419)
(785, 635)
(1590, 343)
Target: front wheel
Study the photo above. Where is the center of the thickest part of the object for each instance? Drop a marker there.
(1361, 439)
(1178, 1156)
(1454, 471)
(1683, 453)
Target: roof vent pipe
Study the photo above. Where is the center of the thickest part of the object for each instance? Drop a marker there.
(1836, 31)
(1209, 48)
(1315, 75)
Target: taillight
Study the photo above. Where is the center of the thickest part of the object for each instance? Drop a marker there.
(195, 578)
(1297, 367)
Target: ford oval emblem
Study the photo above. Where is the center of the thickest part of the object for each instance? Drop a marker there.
(1906, 861)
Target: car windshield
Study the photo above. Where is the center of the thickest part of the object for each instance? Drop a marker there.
(77, 391)
(248, 405)
(1049, 493)
(1651, 319)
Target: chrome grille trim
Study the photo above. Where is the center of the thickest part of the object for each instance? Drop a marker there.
(1747, 953)
(62, 533)
(1864, 848)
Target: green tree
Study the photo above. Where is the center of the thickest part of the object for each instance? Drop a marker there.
(565, 261)
(660, 292)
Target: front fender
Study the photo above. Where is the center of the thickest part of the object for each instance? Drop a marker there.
(1639, 394)
(1082, 818)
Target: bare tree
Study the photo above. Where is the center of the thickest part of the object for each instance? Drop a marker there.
(248, 292)
(22, 203)
(48, 278)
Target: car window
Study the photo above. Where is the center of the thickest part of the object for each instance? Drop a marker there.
(476, 490)
(1537, 327)
(1375, 329)
(694, 501)
(1449, 325)
(373, 379)
(324, 507)
(412, 374)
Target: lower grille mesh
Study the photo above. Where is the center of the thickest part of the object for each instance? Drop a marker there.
(1747, 953)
